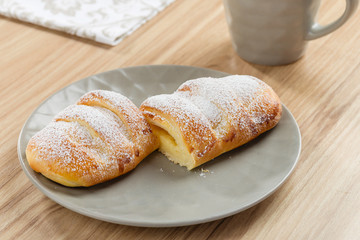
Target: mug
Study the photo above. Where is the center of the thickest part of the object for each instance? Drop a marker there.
(276, 32)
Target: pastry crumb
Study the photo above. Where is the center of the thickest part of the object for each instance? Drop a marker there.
(204, 172)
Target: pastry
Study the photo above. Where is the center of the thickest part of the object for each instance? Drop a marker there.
(102, 136)
(206, 117)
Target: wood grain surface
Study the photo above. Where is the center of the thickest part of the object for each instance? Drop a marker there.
(320, 200)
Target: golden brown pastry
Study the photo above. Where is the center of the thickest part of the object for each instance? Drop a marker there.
(101, 137)
(206, 117)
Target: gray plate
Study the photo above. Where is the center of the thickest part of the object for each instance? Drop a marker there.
(159, 193)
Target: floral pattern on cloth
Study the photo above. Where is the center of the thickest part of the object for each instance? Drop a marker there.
(105, 21)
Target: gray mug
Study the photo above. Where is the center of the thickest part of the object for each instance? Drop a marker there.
(276, 32)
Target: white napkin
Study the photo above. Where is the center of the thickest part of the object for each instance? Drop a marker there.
(105, 21)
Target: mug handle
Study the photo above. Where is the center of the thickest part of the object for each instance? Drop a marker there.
(316, 30)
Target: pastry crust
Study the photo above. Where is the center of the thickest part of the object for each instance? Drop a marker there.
(101, 137)
(206, 117)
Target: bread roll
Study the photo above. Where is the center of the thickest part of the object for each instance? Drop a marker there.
(206, 117)
(101, 137)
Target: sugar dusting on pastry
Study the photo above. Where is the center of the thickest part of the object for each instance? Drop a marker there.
(222, 113)
(55, 142)
(136, 126)
(220, 104)
(189, 118)
(101, 137)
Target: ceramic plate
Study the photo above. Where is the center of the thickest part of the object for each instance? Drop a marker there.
(159, 193)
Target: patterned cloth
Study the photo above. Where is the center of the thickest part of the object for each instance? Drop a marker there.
(105, 21)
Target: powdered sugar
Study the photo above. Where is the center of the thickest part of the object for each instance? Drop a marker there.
(183, 111)
(136, 127)
(91, 143)
(72, 155)
(211, 112)
(223, 101)
(231, 108)
(229, 96)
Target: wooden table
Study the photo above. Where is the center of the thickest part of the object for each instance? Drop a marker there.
(321, 199)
